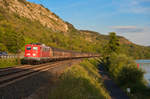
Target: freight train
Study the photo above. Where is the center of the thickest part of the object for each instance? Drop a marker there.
(36, 53)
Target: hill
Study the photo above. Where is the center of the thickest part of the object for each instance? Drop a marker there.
(38, 24)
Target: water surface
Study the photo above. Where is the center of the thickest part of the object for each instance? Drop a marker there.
(145, 65)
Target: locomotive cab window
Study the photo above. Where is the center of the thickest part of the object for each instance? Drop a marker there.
(35, 48)
(29, 48)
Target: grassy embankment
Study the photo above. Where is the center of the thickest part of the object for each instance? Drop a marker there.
(8, 62)
(80, 81)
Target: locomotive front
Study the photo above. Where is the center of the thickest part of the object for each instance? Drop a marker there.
(32, 52)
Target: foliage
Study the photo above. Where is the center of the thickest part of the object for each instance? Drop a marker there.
(3, 47)
(131, 76)
(126, 74)
(137, 52)
(124, 70)
(14, 41)
(8, 62)
(113, 45)
(80, 82)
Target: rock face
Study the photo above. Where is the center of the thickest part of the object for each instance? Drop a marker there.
(35, 12)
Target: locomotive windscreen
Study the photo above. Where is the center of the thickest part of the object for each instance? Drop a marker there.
(29, 48)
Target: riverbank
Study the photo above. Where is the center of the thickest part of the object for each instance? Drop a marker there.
(145, 65)
(118, 92)
(127, 75)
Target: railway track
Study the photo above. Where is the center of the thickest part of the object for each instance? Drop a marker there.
(11, 75)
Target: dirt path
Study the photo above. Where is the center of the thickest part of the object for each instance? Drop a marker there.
(114, 91)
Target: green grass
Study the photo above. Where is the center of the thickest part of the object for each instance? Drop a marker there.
(8, 63)
(80, 81)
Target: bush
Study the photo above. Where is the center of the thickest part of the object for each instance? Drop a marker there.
(3, 47)
(80, 82)
(8, 63)
(117, 62)
(131, 77)
(124, 71)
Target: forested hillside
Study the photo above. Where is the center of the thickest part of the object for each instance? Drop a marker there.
(30, 22)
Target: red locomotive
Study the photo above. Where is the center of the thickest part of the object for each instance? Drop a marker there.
(39, 53)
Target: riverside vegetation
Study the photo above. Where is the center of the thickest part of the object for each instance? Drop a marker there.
(80, 81)
(124, 70)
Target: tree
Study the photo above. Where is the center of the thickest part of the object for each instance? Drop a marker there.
(113, 45)
(14, 41)
(110, 49)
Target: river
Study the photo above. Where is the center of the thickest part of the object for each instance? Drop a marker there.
(145, 65)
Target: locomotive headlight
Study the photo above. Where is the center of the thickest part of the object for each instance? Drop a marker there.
(34, 54)
(28, 54)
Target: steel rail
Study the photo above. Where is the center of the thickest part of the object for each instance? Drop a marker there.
(18, 69)
(9, 79)
(9, 68)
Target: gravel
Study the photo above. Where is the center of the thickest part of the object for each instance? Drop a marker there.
(34, 87)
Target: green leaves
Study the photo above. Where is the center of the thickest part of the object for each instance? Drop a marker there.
(130, 76)
(113, 45)
(14, 41)
(3, 47)
(124, 71)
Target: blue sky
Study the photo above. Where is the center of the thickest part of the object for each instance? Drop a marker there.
(129, 18)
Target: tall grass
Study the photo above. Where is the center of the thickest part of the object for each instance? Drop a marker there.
(8, 62)
(80, 81)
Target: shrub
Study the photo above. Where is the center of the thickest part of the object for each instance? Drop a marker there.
(117, 62)
(2, 47)
(131, 77)
(124, 71)
(80, 82)
(8, 62)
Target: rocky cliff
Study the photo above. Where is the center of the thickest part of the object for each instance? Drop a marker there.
(35, 12)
